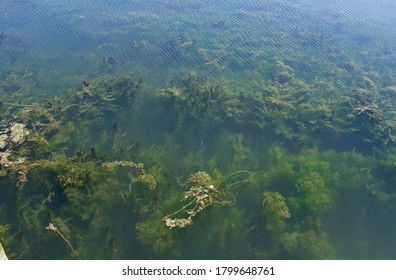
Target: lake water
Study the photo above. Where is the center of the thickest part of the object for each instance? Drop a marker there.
(267, 129)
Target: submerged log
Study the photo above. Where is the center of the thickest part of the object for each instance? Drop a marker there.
(3, 255)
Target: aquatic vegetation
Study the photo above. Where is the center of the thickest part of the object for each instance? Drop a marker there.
(234, 146)
(146, 180)
(312, 189)
(202, 192)
(55, 230)
(156, 236)
(307, 245)
(78, 174)
(275, 211)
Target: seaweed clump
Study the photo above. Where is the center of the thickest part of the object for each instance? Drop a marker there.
(203, 192)
(200, 195)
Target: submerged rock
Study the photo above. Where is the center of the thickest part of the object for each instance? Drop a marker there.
(12, 135)
(3, 255)
(18, 133)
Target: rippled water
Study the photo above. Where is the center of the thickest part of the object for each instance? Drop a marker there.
(56, 44)
(225, 39)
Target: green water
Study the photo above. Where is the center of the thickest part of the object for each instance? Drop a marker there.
(197, 130)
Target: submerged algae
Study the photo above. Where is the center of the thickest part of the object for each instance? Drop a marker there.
(275, 211)
(278, 203)
(202, 192)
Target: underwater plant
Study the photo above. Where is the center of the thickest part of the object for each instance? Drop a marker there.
(116, 175)
(203, 192)
(275, 211)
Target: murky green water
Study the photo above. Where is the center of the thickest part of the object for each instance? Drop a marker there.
(198, 129)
